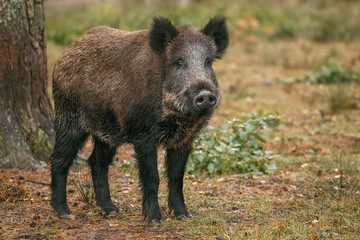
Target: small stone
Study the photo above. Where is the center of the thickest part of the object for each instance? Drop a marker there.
(221, 179)
(304, 165)
(315, 221)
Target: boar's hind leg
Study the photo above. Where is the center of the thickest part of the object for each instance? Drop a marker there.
(175, 164)
(99, 161)
(146, 157)
(69, 139)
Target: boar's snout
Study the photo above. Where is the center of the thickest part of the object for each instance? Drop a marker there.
(205, 100)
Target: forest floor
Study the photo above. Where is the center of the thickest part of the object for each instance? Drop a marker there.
(313, 194)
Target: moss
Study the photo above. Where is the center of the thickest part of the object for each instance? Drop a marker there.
(37, 139)
(42, 145)
(11, 9)
(3, 151)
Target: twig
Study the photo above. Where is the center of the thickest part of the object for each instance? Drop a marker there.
(37, 182)
(32, 236)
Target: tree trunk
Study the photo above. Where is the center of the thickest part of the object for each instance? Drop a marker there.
(26, 126)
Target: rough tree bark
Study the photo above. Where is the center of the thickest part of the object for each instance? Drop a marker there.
(26, 128)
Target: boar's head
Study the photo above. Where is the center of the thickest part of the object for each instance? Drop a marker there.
(190, 87)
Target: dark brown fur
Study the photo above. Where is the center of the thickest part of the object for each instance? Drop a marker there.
(143, 88)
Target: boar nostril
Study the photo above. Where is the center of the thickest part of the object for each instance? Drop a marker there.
(212, 99)
(205, 100)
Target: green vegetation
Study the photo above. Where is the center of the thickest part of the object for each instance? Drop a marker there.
(330, 73)
(238, 147)
(316, 20)
(338, 92)
(81, 181)
(340, 96)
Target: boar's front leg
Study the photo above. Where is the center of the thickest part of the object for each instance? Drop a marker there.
(175, 163)
(146, 156)
(99, 161)
(69, 139)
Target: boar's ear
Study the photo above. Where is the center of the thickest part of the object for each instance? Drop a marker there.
(217, 30)
(161, 33)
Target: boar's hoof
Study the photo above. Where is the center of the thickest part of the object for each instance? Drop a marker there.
(110, 209)
(61, 210)
(184, 216)
(154, 221)
(180, 214)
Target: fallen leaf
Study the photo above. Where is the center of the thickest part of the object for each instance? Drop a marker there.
(221, 179)
(113, 224)
(195, 183)
(276, 139)
(314, 221)
(304, 165)
(314, 237)
(241, 23)
(281, 227)
(294, 149)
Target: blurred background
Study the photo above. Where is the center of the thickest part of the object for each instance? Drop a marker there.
(320, 21)
(296, 59)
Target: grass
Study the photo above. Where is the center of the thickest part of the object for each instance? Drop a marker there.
(262, 209)
(81, 181)
(340, 97)
(338, 82)
(293, 202)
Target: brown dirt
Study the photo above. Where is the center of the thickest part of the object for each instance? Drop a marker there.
(26, 213)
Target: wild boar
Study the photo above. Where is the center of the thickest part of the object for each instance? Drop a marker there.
(149, 88)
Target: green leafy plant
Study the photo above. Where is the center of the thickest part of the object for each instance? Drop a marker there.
(338, 93)
(239, 147)
(330, 73)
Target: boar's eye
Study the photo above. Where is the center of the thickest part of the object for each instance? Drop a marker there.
(180, 63)
(208, 62)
